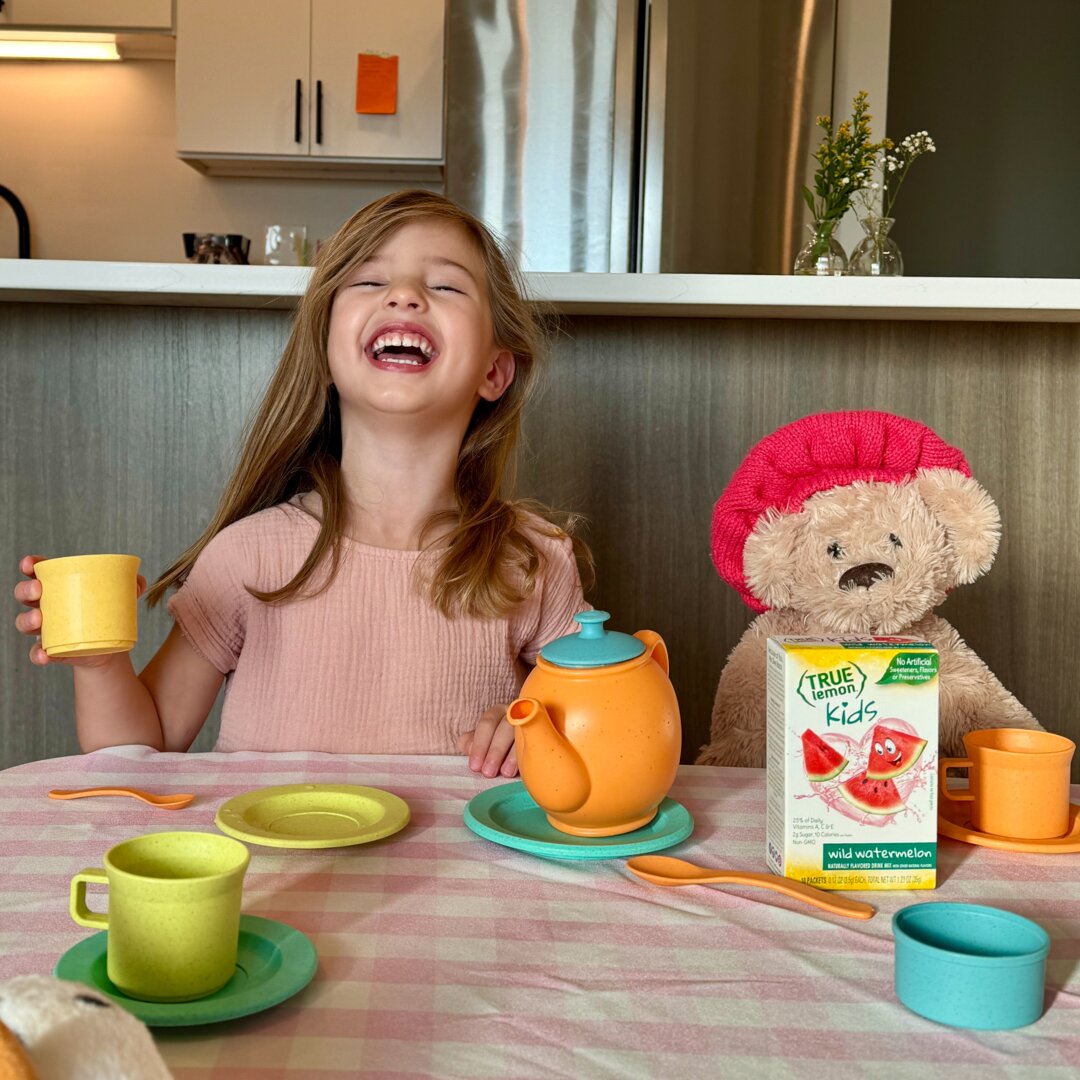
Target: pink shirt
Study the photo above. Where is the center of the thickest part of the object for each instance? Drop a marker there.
(367, 666)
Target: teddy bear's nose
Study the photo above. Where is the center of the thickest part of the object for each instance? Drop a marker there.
(862, 577)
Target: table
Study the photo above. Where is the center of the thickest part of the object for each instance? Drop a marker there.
(441, 954)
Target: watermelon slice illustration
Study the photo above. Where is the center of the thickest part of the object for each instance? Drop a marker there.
(821, 761)
(872, 796)
(892, 753)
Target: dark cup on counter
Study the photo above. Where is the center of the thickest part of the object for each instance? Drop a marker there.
(216, 248)
(237, 247)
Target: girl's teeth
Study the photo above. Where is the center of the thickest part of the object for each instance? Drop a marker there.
(399, 340)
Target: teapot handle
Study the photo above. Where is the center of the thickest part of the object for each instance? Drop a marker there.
(655, 647)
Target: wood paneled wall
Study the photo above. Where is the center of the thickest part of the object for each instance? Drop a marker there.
(119, 425)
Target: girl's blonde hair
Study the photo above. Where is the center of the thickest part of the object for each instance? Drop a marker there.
(486, 560)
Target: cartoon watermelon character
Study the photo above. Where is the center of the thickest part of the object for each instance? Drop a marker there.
(821, 761)
(872, 796)
(892, 753)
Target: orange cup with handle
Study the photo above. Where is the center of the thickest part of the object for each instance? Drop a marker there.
(1018, 782)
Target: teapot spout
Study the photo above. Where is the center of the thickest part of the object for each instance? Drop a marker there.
(551, 768)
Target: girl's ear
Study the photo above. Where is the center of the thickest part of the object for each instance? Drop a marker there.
(498, 377)
(971, 519)
(769, 557)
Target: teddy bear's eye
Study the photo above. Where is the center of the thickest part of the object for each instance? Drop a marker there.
(895, 540)
(835, 550)
(88, 1000)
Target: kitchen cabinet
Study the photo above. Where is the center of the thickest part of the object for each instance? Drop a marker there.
(268, 87)
(112, 16)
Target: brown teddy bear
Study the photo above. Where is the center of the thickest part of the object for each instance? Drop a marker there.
(853, 523)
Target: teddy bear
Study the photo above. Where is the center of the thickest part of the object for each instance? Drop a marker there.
(853, 523)
(51, 1029)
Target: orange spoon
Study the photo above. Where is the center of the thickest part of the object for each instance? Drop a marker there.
(664, 870)
(164, 802)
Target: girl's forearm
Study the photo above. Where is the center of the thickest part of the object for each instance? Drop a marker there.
(114, 708)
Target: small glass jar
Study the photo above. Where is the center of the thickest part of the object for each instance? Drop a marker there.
(876, 254)
(822, 255)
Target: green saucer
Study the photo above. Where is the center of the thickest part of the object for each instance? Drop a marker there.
(507, 815)
(273, 962)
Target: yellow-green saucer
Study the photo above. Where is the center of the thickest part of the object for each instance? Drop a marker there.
(313, 815)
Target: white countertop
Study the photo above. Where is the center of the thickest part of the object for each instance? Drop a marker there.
(704, 295)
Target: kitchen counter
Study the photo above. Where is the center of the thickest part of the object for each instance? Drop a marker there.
(705, 295)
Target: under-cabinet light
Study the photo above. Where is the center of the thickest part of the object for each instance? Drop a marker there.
(40, 45)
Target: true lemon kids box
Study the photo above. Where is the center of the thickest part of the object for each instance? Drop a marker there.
(852, 734)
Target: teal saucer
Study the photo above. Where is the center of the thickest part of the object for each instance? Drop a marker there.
(507, 815)
(273, 962)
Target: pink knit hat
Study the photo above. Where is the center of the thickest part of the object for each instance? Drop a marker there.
(813, 454)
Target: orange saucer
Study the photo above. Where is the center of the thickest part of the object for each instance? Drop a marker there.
(953, 821)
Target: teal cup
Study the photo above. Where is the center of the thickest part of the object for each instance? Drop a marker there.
(970, 966)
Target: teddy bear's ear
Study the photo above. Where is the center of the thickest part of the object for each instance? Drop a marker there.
(769, 557)
(971, 519)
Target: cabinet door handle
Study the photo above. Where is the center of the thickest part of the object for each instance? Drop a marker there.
(318, 110)
(296, 118)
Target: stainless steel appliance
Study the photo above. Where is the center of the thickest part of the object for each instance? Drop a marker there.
(654, 135)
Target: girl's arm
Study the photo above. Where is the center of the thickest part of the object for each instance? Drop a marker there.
(490, 745)
(165, 707)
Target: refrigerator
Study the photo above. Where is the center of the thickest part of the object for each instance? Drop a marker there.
(639, 135)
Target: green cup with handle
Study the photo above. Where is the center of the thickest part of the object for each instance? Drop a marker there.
(174, 913)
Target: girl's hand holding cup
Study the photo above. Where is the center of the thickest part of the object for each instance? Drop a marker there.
(82, 608)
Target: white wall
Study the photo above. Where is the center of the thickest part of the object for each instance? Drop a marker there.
(89, 148)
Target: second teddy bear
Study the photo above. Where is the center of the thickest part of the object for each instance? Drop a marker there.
(853, 523)
(51, 1029)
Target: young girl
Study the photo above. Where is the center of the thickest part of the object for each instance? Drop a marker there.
(363, 586)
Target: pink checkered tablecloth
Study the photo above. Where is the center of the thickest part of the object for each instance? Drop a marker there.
(443, 955)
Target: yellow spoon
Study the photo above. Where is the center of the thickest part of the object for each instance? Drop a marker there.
(163, 802)
(664, 870)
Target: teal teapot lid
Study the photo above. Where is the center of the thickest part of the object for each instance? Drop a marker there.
(592, 646)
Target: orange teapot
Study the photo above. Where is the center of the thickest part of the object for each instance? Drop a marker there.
(597, 729)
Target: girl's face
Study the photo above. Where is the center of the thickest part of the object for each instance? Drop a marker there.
(410, 330)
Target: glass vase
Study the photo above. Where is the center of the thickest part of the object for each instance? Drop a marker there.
(876, 254)
(822, 256)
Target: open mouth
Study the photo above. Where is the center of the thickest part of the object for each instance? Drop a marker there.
(402, 349)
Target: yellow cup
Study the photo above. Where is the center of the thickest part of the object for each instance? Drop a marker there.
(88, 604)
(1018, 782)
(174, 913)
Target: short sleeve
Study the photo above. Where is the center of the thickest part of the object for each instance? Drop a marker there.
(211, 606)
(550, 612)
